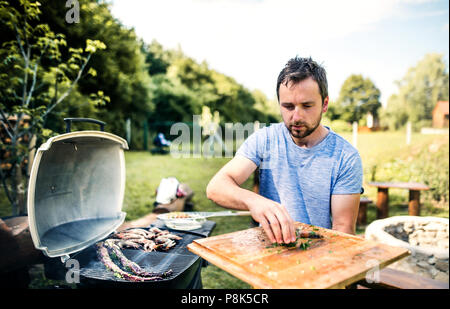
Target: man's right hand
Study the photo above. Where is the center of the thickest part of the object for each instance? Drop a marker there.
(274, 219)
(224, 189)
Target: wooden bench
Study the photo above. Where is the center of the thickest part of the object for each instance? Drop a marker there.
(395, 279)
(383, 196)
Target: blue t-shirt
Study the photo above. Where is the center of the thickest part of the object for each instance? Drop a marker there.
(303, 179)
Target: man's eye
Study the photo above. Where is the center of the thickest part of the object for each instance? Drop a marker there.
(289, 107)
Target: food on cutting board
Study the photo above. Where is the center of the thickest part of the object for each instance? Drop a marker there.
(300, 234)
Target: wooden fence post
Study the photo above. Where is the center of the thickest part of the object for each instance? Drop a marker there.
(408, 133)
(355, 134)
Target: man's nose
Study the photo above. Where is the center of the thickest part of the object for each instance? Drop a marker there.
(297, 116)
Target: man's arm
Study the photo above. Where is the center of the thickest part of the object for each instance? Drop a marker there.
(344, 210)
(224, 189)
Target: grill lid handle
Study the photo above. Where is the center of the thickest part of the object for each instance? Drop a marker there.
(69, 121)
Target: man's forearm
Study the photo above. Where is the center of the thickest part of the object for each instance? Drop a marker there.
(272, 216)
(227, 193)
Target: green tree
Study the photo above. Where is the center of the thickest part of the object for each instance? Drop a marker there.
(358, 96)
(157, 58)
(35, 78)
(267, 107)
(419, 90)
(333, 112)
(173, 101)
(395, 115)
(122, 69)
(193, 85)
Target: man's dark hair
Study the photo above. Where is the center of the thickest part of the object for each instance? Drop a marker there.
(298, 69)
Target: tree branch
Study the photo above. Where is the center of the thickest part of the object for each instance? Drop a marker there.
(70, 88)
(38, 61)
(19, 41)
(7, 130)
(30, 93)
(7, 122)
(25, 82)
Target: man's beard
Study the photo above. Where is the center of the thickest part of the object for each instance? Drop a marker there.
(306, 129)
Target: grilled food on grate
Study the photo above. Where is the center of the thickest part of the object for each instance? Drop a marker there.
(151, 240)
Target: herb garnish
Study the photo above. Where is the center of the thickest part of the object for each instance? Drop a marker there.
(303, 245)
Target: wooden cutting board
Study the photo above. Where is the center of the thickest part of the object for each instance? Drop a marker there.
(334, 261)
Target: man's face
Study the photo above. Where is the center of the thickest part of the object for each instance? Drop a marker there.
(301, 107)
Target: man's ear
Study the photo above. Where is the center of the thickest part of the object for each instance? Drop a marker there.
(325, 105)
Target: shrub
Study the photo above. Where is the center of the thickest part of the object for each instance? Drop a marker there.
(340, 126)
(428, 165)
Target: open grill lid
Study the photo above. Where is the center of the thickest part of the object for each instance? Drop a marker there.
(76, 191)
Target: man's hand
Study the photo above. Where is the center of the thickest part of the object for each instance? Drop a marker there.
(224, 189)
(274, 219)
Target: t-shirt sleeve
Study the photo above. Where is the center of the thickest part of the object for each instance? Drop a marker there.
(253, 146)
(350, 176)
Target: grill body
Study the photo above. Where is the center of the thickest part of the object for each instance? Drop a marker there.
(75, 197)
(76, 191)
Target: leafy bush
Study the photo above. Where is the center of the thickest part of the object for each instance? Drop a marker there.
(418, 125)
(341, 126)
(428, 165)
(433, 170)
(338, 125)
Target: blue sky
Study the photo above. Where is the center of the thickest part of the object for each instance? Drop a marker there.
(251, 40)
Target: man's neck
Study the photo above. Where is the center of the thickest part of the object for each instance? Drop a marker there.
(313, 139)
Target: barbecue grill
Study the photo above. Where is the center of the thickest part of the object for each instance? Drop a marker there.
(75, 197)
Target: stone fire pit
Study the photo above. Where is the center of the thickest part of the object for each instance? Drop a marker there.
(425, 237)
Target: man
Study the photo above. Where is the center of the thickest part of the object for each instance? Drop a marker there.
(308, 173)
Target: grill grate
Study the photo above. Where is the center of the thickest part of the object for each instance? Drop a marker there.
(178, 259)
(186, 266)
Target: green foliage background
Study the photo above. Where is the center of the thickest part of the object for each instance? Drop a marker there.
(358, 96)
(420, 89)
(145, 81)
